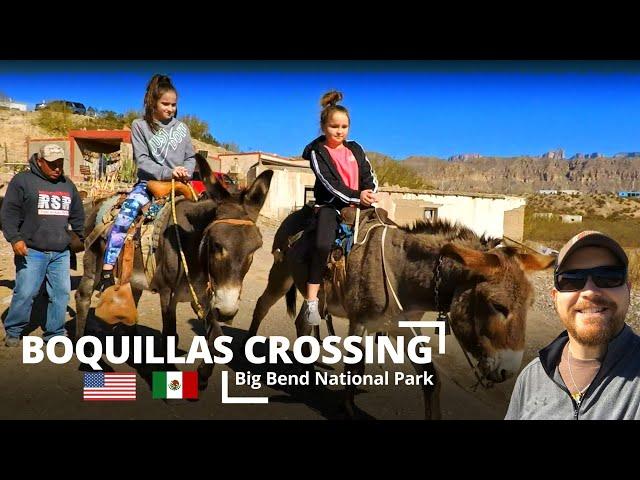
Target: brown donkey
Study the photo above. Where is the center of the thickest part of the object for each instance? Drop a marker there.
(218, 235)
(482, 285)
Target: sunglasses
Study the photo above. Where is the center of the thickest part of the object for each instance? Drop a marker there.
(603, 277)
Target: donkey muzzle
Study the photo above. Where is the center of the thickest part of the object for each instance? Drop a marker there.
(503, 365)
(226, 300)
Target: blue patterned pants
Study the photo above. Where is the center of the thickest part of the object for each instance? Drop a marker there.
(137, 198)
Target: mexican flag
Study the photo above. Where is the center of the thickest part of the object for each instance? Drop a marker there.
(175, 384)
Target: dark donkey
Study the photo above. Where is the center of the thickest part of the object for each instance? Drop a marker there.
(218, 235)
(481, 284)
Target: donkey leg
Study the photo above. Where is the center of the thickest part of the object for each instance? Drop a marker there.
(83, 303)
(168, 306)
(85, 291)
(431, 393)
(353, 369)
(205, 370)
(280, 281)
(330, 328)
(137, 293)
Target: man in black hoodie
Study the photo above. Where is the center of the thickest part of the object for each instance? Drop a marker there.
(38, 208)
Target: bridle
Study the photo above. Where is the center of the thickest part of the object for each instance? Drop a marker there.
(210, 285)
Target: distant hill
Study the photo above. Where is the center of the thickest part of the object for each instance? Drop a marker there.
(521, 175)
(16, 127)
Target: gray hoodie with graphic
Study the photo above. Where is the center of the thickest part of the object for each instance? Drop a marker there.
(157, 154)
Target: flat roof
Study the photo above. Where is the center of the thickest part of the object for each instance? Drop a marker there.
(446, 193)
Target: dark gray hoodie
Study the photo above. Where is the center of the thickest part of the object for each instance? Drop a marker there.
(39, 210)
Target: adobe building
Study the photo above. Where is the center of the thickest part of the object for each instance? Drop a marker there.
(79, 141)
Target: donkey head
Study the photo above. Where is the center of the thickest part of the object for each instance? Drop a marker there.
(230, 236)
(489, 307)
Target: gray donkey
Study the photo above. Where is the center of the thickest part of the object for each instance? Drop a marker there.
(430, 267)
(218, 234)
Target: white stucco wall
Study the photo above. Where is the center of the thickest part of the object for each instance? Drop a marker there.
(286, 192)
(482, 215)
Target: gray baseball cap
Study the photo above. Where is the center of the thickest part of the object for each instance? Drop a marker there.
(51, 152)
(591, 238)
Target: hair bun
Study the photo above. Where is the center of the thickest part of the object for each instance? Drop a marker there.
(331, 98)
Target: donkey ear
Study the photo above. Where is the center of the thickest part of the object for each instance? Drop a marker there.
(535, 261)
(254, 197)
(481, 262)
(200, 213)
(215, 190)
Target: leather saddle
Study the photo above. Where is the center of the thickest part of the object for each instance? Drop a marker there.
(160, 189)
(116, 304)
(301, 225)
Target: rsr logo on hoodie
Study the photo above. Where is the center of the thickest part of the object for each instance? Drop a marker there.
(53, 203)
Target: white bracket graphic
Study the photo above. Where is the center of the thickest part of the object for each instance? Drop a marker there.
(440, 327)
(227, 399)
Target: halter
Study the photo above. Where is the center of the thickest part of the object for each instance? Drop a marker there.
(228, 221)
(442, 314)
(232, 221)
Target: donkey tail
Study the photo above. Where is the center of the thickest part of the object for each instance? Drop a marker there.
(291, 301)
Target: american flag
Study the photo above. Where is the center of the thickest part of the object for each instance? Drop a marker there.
(109, 386)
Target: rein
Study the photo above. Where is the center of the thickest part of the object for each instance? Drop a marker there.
(199, 310)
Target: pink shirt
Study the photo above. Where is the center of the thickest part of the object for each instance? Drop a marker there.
(346, 164)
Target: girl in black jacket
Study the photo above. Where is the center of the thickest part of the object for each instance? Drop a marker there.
(344, 177)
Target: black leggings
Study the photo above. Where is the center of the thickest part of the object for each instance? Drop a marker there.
(328, 221)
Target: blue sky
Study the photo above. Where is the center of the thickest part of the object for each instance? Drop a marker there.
(401, 108)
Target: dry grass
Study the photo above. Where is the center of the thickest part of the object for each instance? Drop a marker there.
(553, 233)
(634, 268)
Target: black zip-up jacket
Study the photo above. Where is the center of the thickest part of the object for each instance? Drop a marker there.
(329, 188)
(39, 210)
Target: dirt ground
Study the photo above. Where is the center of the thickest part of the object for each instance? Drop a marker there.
(51, 391)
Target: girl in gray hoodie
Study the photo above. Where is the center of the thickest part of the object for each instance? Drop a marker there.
(162, 150)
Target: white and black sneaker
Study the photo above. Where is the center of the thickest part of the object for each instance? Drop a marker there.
(107, 279)
(311, 313)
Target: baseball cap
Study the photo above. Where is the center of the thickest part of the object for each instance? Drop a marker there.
(591, 238)
(51, 152)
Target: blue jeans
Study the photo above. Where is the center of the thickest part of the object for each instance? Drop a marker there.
(30, 272)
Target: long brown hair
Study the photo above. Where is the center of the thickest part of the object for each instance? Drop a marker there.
(329, 104)
(157, 86)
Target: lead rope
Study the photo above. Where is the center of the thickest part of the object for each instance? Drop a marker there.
(199, 310)
(442, 316)
(437, 300)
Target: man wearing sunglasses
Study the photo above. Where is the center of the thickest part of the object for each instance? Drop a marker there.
(592, 370)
